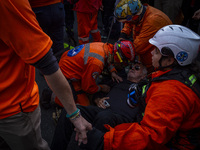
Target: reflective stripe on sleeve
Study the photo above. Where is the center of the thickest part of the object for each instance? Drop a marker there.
(88, 54)
(83, 39)
(94, 31)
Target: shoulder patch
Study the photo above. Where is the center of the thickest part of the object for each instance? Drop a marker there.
(75, 50)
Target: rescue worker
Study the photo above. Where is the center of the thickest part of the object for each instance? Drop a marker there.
(24, 46)
(171, 118)
(83, 65)
(140, 21)
(87, 14)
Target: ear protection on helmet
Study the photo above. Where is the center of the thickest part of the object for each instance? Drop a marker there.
(166, 51)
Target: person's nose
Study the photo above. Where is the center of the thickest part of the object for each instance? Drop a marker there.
(133, 68)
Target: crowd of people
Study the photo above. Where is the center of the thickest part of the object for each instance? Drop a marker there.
(140, 92)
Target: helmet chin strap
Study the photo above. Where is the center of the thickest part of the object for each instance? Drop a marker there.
(142, 13)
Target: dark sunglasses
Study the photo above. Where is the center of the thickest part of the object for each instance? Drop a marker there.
(136, 67)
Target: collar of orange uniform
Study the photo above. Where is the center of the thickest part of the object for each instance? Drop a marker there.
(159, 73)
(137, 27)
(108, 48)
(145, 7)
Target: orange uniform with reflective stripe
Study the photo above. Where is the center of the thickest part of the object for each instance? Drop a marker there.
(171, 107)
(151, 22)
(22, 42)
(84, 67)
(87, 14)
(40, 3)
(87, 24)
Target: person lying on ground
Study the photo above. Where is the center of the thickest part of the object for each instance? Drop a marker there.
(116, 111)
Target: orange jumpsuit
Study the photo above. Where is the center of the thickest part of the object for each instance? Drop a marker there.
(151, 22)
(87, 13)
(171, 107)
(17, 77)
(82, 65)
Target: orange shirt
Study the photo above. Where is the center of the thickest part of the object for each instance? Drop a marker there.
(22, 42)
(82, 65)
(40, 3)
(151, 22)
(85, 65)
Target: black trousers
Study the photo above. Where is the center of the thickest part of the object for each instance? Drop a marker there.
(93, 114)
(107, 14)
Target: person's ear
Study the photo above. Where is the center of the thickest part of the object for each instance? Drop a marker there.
(170, 60)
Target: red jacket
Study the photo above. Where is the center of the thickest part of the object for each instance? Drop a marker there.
(88, 6)
(151, 22)
(171, 107)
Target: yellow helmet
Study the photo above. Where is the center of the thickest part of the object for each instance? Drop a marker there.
(126, 9)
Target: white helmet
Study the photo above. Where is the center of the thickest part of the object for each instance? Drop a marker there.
(181, 42)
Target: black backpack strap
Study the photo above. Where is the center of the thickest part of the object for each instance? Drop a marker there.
(185, 76)
(142, 88)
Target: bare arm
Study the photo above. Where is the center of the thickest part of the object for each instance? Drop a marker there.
(59, 85)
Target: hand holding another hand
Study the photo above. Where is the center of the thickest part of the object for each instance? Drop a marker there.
(81, 128)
